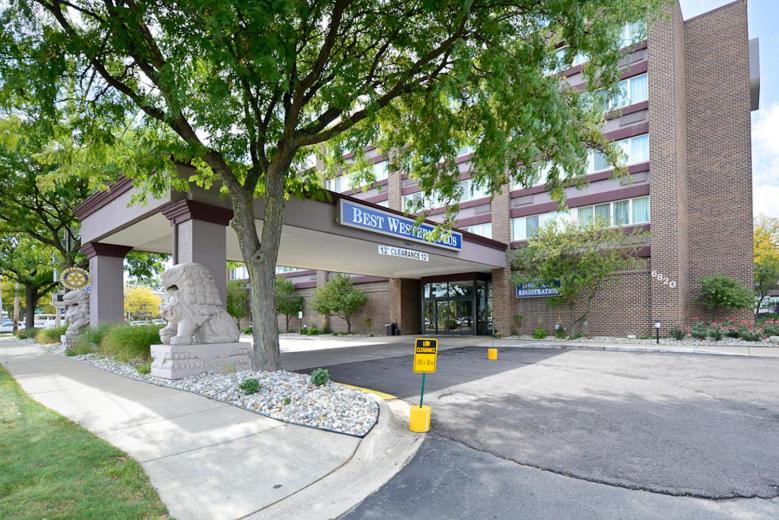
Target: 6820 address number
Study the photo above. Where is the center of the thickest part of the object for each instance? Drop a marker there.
(664, 279)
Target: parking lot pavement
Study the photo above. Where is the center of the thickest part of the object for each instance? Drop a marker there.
(686, 425)
(447, 481)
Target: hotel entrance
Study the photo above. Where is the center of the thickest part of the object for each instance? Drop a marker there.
(457, 304)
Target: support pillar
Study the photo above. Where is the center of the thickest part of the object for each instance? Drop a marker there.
(405, 304)
(106, 294)
(200, 236)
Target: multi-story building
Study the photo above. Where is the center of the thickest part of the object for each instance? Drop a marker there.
(683, 123)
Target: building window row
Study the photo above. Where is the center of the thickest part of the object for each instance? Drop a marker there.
(632, 90)
(626, 212)
(630, 34)
(635, 150)
(380, 171)
(484, 230)
(469, 190)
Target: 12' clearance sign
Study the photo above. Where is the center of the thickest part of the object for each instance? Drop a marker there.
(425, 355)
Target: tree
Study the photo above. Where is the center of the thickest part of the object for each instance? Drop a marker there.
(245, 91)
(339, 297)
(141, 303)
(237, 299)
(766, 260)
(287, 303)
(721, 293)
(30, 264)
(578, 260)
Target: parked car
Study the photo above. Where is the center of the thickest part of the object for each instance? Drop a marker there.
(8, 326)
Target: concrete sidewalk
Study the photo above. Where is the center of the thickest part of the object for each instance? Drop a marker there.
(205, 458)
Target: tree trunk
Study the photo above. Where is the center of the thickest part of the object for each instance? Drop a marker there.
(31, 297)
(348, 325)
(260, 257)
(287, 327)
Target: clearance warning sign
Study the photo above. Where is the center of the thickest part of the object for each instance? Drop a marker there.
(425, 355)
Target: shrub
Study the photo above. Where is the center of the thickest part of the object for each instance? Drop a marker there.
(50, 335)
(771, 329)
(27, 333)
(310, 331)
(676, 333)
(715, 333)
(144, 368)
(560, 332)
(89, 340)
(748, 335)
(247, 330)
(721, 293)
(287, 401)
(539, 333)
(249, 386)
(699, 330)
(125, 342)
(733, 332)
(320, 376)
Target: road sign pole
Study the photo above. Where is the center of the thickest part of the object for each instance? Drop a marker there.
(422, 391)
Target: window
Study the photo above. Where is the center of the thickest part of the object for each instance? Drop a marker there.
(339, 184)
(632, 90)
(484, 230)
(380, 170)
(523, 228)
(285, 269)
(618, 213)
(471, 191)
(632, 33)
(383, 203)
(635, 150)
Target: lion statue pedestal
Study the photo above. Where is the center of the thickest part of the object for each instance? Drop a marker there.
(200, 336)
(76, 304)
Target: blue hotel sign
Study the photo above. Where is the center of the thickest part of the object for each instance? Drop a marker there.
(531, 290)
(371, 219)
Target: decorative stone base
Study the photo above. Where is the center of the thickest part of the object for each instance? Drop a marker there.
(179, 361)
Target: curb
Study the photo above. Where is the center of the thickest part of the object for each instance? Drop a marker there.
(608, 348)
(379, 456)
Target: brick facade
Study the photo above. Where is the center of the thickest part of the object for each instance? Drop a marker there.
(698, 177)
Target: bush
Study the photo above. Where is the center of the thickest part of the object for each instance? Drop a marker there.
(771, 329)
(733, 333)
(715, 333)
(249, 386)
(27, 333)
(247, 330)
(125, 342)
(560, 332)
(311, 331)
(539, 333)
(89, 340)
(721, 293)
(320, 376)
(748, 335)
(50, 335)
(144, 368)
(699, 330)
(676, 333)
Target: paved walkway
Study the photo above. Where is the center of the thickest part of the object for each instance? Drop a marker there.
(208, 459)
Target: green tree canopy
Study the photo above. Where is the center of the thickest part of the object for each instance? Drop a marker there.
(288, 303)
(339, 297)
(237, 299)
(245, 91)
(766, 259)
(578, 259)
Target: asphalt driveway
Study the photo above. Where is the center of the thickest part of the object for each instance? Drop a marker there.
(679, 425)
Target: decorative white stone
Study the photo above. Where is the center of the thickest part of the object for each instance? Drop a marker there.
(774, 340)
(193, 308)
(76, 313)
(180, 361)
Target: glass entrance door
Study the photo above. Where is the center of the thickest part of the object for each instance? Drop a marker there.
(457, 307)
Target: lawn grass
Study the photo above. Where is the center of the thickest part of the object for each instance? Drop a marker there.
(52, 468)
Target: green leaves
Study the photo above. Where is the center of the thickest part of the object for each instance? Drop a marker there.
(719, 292)
(339, 297)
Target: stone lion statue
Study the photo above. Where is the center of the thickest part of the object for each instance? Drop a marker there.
(193, 308)
(76, 312)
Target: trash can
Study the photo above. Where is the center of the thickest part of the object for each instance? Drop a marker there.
(395, 329)
(389, 329)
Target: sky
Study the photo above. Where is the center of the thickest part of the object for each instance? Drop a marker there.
(763, 18)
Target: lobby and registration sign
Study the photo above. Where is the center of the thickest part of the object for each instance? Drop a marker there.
(531, 290)
(403, 253)
(364, 217)
(425, 355)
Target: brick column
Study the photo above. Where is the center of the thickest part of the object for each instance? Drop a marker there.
(405, 304)
(668, 158)
(200, 235)
(106, 294)
(502, 288)
(394, 191)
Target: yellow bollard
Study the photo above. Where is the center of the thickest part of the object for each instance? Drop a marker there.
(492, 354)
(420, 419)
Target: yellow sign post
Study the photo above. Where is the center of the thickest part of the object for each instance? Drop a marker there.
(425, 362)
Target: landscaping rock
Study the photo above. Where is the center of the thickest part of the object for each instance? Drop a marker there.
(774, 340)
(285, 396)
